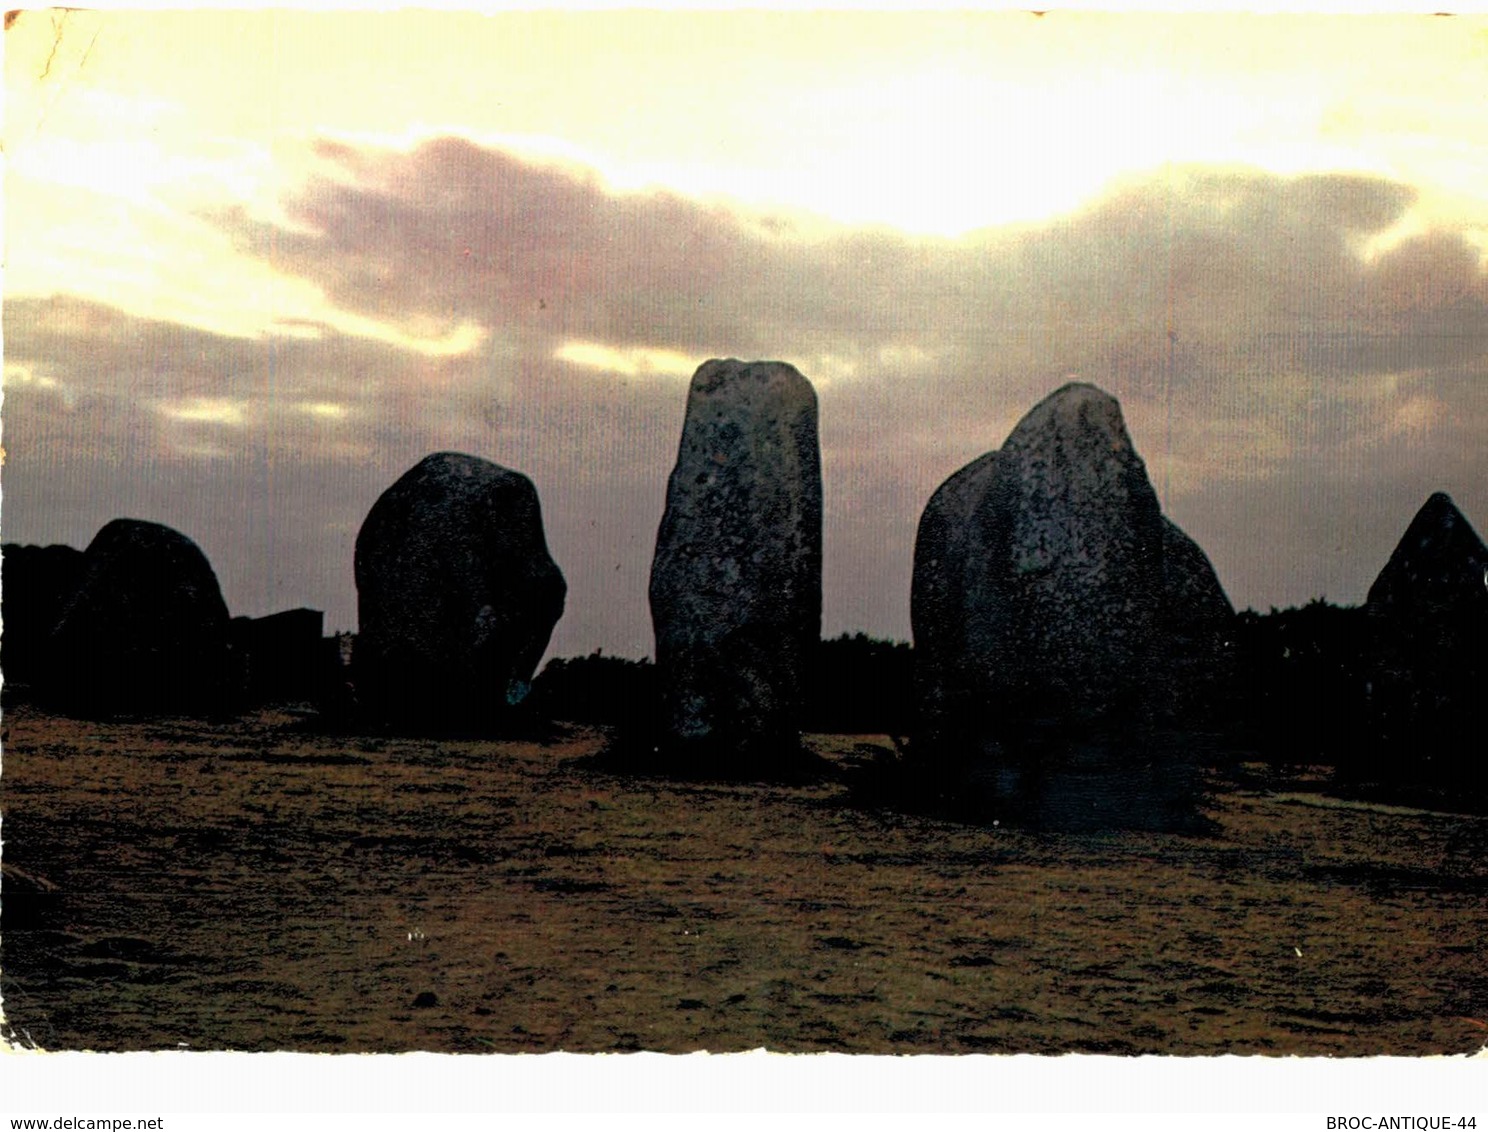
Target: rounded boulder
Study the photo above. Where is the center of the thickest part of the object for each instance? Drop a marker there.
(457, 595)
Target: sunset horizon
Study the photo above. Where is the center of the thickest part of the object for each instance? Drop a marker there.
(262, 263)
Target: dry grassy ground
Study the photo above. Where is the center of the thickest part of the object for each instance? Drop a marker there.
(254, 886)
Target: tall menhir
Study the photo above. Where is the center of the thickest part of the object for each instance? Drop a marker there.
(736, 580)
(1061, 622)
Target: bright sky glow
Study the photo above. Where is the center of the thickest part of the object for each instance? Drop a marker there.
(206, 410)
(296, 251)
(628, 363)
(124, 128)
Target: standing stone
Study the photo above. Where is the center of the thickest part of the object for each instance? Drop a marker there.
(38, 583)
(1054, 608)
(1437, 569)
(1064, 568)
(457, 595)
(945, 691)
(1427, 664)
(145, 631)
(736, 580)
(1196, 630)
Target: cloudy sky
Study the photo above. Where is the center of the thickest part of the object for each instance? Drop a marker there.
(260, 263)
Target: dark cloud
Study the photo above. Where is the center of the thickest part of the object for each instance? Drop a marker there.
(453, 231)
(1296, 387)
(274, 485)
(1250, 272)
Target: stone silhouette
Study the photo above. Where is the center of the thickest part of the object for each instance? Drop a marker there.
(1057, 614)
(945, 684)
(1195, 630)
(145, 630)
(1436, 570)
(283, 657)
(1427, 663)
(457, 596)
(38, 583)
(736, 579)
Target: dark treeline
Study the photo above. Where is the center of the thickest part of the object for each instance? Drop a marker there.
(856, 684)
(1298, 694)
(596, 689)
(860, 685)
(1391, 705)
(1323, 685)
